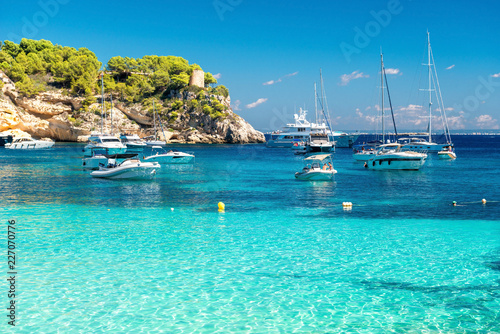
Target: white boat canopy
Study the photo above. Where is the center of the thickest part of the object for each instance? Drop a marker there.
(319, 157)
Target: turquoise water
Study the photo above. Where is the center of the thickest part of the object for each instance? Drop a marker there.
(156, 256)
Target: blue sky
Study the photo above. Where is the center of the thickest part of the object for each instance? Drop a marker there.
(269, 53)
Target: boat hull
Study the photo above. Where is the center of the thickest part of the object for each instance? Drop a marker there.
(395, 162)
(430, 147)
(446, 155)
(129, 172)
(171, 159)
(316, 175)
(35, 145)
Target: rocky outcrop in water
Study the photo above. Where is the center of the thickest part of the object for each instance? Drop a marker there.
(52, 114)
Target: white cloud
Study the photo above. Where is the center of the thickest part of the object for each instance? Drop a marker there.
(272, 82)
(393, 71)
(236, 105)
(496, 75)
(217, 76)
(450, 67)
(486, 122)
(346, 78)
(256, 103)
(411, 107)
(291, 74)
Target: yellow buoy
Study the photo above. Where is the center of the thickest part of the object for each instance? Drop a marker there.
(484, 201)
(222, 207)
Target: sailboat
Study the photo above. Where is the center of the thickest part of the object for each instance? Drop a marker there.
(319, 138)
(104, 141)
(421, 144)
(391, 156)
(153, 140)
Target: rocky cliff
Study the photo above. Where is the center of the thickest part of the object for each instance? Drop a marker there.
(52, 114)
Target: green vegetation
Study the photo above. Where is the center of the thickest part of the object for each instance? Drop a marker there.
(68, 68)
(37, 66)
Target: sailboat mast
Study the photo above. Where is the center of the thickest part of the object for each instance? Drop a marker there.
(315, 103)
(430, 87)
(154, 117)
(382, 94)
(111, 97)
(102, 102)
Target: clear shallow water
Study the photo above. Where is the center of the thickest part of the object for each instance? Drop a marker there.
(111, 256)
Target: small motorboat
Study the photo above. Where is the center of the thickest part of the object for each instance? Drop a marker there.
(447, 153)
(130, 168)
(314, 171)
(25, 143)
(169, 157)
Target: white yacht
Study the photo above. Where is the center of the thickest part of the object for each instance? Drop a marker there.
(130, 168)
(300, 130)
(133, 142)
(171, 157)
(391, 157)
(25, 143)
(318, 168)
(105, 142)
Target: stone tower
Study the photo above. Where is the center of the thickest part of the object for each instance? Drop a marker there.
(197, 79)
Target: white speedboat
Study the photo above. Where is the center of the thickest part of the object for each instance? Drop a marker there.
(391, 157)
(318, 168)
(130, 168)
(106, 142)
(133, 142)
(25, 143)
(447, 153)
(169, 157)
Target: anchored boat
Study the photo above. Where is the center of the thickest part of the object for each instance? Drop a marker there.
(317, 168)
(130, 168)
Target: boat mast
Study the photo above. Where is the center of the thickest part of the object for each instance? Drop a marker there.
(111, 97)
(382, 93)
(154, 117)
(102, 102)
(323, 102)
(430, 87)
(316, 103)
